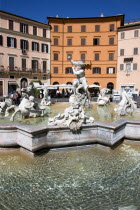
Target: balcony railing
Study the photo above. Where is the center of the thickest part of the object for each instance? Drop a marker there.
(15, 69)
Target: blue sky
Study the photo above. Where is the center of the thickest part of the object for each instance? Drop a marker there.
(39, 10)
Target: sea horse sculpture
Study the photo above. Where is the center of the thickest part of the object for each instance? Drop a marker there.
(127, 105)
(103, 99)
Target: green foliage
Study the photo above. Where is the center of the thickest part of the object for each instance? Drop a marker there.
(37, 92)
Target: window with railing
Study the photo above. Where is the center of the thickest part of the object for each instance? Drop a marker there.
(35, 65)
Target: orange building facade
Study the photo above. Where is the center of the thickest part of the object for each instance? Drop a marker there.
(93, 40)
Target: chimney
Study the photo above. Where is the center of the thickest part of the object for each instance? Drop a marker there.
(57, 16)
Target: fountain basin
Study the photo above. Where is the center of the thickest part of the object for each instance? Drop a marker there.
(34, 138)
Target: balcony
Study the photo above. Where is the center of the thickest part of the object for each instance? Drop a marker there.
(15, 69)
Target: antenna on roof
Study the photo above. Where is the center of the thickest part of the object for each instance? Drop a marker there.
(57, 16)
(101, 15)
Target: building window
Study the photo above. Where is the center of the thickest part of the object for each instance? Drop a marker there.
(11, 42)
(1, 40)
(55, 70)
(69, 42)
(11, 25)
(83, 28)
(121, 67)
(12, 77)
(83, 57)
(128, 67)
(68, 70)
(44, 78)
(135, 65)
(111, 56)
(35, 30)
(23, 28)
(122, 35)
(69, 56)
(35, 78)
(136, 33)
(44, 32)
(121, 52)
(44, 66)
(55, 56)
(111, 27)
(23, 64)
(110, 70)
(55, 28)
(45, 48)
(83, 41)
(96, 56)
(34, 65)
(111, 40)
(69, 29)
(97, 28)
(96, 41)
(136, 51)
(35, 46)
(55, 41)
(24, 44)
(11, 63)
(96, 70)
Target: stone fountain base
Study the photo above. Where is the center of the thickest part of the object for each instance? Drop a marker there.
(34, 138)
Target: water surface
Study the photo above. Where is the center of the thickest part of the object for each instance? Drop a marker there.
(90, 178)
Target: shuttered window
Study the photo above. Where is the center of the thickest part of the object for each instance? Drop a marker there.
(11, 25)
(56, 56)
(96, 70)
(45, 48)
(111, 27)
(1, 40)
(44, 32)
(23, 64)
(11, 42)
(55, 41)
(23, 28)
(24, 44)
(35, 65)
(35, 46)
(35, 30)
(110, 70)
(11, 63)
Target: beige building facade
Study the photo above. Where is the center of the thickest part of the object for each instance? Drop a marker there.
(128, 67)
(24, 52)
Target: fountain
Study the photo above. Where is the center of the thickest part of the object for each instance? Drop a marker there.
(72, 127)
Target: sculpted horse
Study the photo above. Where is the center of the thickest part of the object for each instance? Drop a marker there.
(103, 99)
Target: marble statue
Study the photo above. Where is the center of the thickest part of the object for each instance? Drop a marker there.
(73, 116)
(46, 99)
(28, 108)
(80, 86)
(28, 91)
(103, 99)
(7, 106)
(127, 105)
